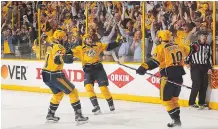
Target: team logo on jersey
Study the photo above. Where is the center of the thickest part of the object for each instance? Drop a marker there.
(120, 77)
(91, 52)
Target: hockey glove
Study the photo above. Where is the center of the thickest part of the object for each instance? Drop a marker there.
(68, 58)
(141, 70)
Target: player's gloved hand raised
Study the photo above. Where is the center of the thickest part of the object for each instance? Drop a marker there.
(141, 70)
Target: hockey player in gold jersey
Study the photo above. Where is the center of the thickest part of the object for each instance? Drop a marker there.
(89, 54)
(55, 79)
(169, 57)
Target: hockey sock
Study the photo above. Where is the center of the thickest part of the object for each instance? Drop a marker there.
(92, 95)
(110, 101)
(175, 101)
(56, 98)
(74, 97)
(52, 108)
(105, 91)
(107, 95)
(54, 103)
(74, 100)
(169, 105)
(174, 114)
(77, 107)
(94, 101)
(90, 89)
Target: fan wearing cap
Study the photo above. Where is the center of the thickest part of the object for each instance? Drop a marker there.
(201, 66)
(169, 57)
(55, 79)
(89, 54)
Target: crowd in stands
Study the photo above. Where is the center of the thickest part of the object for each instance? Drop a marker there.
(106, 20)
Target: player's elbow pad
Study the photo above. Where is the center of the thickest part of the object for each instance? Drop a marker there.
(57, 60)
(112, 45)
(68, 58)
(152, 64)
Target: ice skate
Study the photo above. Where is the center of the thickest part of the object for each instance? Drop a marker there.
(52, 118)
(81, 119)
(175, 123)
(112, 108)
(96, 110)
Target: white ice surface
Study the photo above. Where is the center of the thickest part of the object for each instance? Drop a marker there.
(26, 110)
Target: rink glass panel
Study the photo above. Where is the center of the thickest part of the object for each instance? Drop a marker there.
(16, 37)
(20, 36)
(109, 27)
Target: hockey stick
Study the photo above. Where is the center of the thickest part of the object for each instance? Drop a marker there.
(156, 76)
(117, 61)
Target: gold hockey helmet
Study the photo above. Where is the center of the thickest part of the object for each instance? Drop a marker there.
(164, 35)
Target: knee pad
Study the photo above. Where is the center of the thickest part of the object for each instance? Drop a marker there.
(74, 97)
(175, 101)
(56, 98)
(90, 90)
(169, 105)
(105, 91)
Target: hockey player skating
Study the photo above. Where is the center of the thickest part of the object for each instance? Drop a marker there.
(169, 57)
(89, 54)
(55, 79)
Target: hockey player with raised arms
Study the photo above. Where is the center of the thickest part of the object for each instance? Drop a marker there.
(55, 79)
(169, 57)
(89, 54)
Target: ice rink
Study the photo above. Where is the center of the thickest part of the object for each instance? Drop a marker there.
(26, 110)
